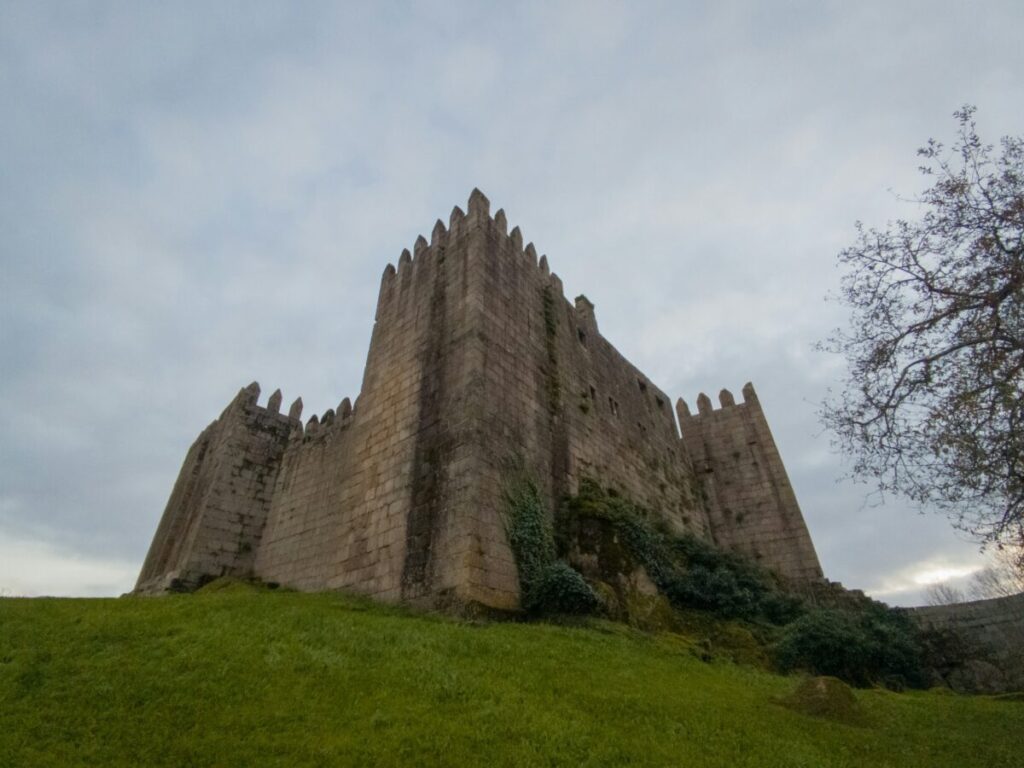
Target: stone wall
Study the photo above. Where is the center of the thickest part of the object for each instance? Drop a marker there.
(382, 500)
(990, 656)
(751, 505)
(560, 401)
(479, 370)
(214, 520)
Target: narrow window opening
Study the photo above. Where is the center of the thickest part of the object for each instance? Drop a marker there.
(582, 336)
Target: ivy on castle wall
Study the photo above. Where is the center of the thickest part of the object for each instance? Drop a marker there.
(547, 585)
(862, 641)
(690, 572)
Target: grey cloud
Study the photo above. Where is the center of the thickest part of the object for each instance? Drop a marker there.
(196, 196)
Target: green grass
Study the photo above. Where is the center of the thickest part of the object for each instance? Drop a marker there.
(240, 677)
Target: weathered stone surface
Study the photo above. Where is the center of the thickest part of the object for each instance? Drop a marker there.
(984, 645)
(478, 366)
(751, 505)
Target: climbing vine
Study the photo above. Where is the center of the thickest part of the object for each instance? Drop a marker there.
(546, 584)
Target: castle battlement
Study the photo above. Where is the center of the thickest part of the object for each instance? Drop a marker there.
(478, 369)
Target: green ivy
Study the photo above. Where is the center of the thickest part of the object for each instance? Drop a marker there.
(690, 572)
(546, 585)
(560, 589)
(861, 641)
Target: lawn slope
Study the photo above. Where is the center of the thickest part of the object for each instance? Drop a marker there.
(239, 677)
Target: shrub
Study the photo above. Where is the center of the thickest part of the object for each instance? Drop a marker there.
(872, 645)
(691, 572)
(781, 608)
(716, 590)
(546, 585)
(560, 589)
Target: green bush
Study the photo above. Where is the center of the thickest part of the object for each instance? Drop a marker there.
(691, 572)
(873, 645)
(781, 608)
(560, 589)
(863, 643)
(546, 585)
(721, 590)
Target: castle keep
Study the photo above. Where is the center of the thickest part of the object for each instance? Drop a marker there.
(478, 369)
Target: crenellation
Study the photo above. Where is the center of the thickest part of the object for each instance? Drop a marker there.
(455, 219)
(556, 287)
(479, 206)
(274, 402)
(704, 407)
(516, 238)
(438, 234)
(500, 222)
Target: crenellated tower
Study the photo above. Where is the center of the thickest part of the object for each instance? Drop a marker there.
(751, 505)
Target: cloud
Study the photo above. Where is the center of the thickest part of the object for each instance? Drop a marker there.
(33, 568)
(909, 585)
(197, 196)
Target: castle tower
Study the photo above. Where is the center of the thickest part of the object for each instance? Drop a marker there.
(751, 505)
(479, 371)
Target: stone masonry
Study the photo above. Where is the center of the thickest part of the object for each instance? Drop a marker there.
(991, 633)
(479, 370)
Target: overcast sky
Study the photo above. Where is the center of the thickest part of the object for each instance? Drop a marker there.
(197, 195)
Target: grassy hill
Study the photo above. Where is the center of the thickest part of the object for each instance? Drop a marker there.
(240, 677)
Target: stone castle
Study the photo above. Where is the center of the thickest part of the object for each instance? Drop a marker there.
(478, 369)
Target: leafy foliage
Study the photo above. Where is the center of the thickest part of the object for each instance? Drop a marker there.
(876, 644)
(547, 585)
(691, 572)
(933, 406)
(560, 589)
(862, 642)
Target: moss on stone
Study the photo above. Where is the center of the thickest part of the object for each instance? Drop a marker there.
(826, 697)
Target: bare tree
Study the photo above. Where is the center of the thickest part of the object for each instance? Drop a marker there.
(944, 594)
(933, 404)
(1003, 578)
